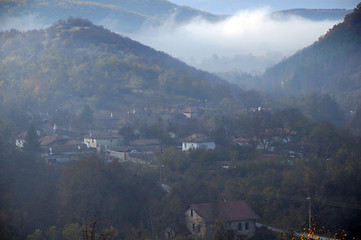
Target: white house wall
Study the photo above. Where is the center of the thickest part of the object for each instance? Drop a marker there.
(186, 146)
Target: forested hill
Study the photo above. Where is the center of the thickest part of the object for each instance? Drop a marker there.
(125, 15)
(75, 61)
(331, 65)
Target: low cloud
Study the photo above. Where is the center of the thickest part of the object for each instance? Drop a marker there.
(23, 23)
(248, 32)
(250, 41)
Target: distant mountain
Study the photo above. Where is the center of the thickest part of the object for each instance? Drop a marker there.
(331, 65)
(125, 16)
(312, 14)
(75, 62)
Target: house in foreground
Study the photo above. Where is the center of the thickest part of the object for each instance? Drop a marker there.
(205, 219)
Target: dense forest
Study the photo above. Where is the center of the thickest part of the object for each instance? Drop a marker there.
(330, 66)
(75, 62)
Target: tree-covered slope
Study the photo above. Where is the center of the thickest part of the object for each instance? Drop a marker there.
(331, 65)
(76, 61)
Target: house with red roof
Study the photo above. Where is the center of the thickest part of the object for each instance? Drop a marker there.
(204, 219)
(54, 139)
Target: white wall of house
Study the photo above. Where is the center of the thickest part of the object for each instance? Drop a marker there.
(247, 227)
(186, 146)
(195, 223)
(97, 143)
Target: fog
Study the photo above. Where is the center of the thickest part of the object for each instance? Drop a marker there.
(250, 41)
(230, 6)
(251, 33)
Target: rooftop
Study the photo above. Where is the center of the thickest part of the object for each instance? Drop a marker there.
(225, 211)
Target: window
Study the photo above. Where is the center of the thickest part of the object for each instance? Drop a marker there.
(240, 226)
(199, 228)
(191, 213)
(247, 226)
(193, 227)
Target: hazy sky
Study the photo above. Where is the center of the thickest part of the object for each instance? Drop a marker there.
(233, 6)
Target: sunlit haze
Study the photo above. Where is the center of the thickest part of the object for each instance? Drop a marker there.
(232, 6)
(247, 32)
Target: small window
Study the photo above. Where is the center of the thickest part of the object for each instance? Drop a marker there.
(199, 228)
(247, 226)
(191, 213)
(193, 227)
(240, 226)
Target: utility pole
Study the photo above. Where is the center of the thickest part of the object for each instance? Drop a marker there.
(309, 213)
(160, 174)
(206, 105)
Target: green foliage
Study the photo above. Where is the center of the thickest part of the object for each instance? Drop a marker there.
(72, 231)
(37, 235)
(52, 233)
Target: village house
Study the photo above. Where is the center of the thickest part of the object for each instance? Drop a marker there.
(269, 141)
(20, 140)
(108, 119)
(191, 112)
(197, 141)
(65, 153)
(102, 140)
(144, 145)
(204, 219)
(54, 139)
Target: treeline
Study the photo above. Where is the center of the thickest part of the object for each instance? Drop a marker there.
(40, 201)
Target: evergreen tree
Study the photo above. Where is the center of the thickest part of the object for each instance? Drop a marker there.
(32, 143)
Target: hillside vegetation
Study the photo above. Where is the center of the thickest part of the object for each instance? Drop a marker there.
(331, 66)
(75, 62)
(127, 16)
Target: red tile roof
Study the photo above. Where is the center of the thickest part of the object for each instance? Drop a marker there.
(144, 142)
(48, 140)
(197, 137)
(225, 211)
(102, 135)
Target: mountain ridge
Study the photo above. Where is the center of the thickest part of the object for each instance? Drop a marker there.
(131, 15)
(330, 65)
